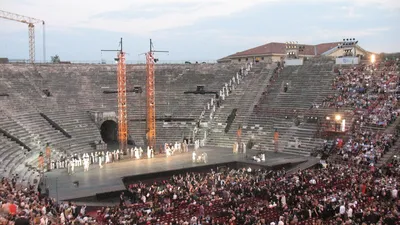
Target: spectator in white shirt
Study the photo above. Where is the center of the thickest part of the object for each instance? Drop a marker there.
(394, 193)
(350, 213)
(342, 210)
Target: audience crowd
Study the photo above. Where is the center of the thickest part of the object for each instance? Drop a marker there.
(335, 194)
(369, 89)
(353, 192)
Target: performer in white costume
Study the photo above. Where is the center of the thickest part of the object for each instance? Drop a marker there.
(72, 167)
(168, 151)
(86, 162)
(205, 157)
(92, 158)
(79, 160)
(107, 157)
(140, 152)
(172, 149)
(132, 152)
(152, 152)
(137, 153)
(244, 148)
(176, 146)
(196, 144)
(194, 156)
(185, 147)
(100, 160)
(69, 166)
(148, 152)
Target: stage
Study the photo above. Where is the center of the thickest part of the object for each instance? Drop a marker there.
(110, 178)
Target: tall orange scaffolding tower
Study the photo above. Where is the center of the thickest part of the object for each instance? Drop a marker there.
(122, 110)
(150, 96)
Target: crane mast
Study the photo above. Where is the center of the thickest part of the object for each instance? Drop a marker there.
(150, 96)
(122, 111)
(31, 28)
(122, 107)
(150, 100)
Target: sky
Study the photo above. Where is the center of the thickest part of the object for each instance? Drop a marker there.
(195, 30)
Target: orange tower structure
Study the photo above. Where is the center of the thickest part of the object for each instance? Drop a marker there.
(150, 96)
(122, 110)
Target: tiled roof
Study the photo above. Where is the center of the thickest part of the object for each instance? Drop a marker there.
(280, 48)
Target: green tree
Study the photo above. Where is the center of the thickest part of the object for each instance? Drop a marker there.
(55, 59)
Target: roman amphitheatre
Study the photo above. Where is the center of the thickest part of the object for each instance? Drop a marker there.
(283, 133)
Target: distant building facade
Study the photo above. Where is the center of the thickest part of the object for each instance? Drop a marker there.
(274, 52)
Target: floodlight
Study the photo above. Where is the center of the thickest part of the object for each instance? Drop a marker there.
(372, 58)
(338, 117)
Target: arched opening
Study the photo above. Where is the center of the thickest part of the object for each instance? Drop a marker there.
(109, 131)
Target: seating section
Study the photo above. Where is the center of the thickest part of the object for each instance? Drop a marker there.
(82, 129)
(277, 109)
(67, 93)
(15, 159)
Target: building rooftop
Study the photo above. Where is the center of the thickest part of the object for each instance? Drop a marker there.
(276, 48)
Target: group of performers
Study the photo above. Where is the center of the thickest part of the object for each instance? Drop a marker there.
(100, 157)
(171, 149)
(239, 148)
(87, 159)
(137, 153)
(199, 158)
(259, 157)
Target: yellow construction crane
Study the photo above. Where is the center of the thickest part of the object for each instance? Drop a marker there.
(30, 21)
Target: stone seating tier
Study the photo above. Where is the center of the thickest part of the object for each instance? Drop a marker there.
(308, 84)
(78, 88)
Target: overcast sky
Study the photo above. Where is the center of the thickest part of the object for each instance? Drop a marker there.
(200, 30)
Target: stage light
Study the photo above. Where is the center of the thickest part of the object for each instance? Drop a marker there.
(338, 117)
(372, 58)
(328, 118)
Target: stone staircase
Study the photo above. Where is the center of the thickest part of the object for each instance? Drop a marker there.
(395, 149)
(308, 84)
(243, 98)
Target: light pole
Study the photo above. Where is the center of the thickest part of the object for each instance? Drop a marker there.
(293, 49)
(349, 46)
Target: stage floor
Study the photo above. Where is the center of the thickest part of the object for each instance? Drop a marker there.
(109, 178)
